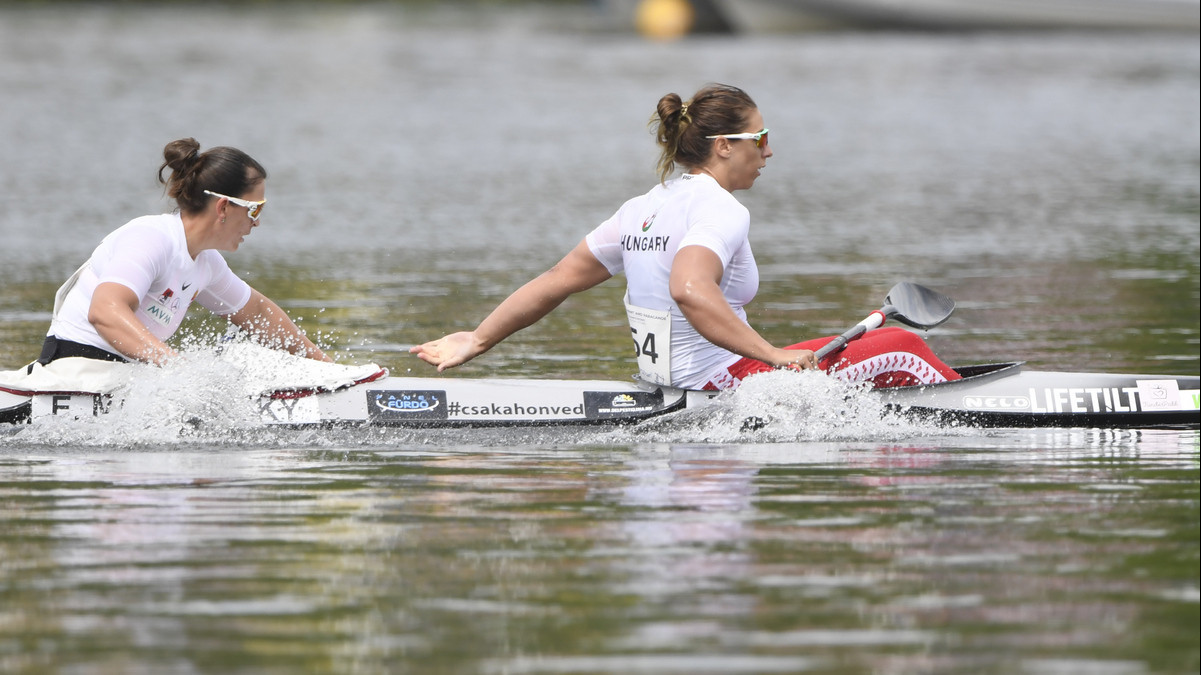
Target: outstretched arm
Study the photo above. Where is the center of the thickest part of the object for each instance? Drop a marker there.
(695, 278)
(270, 326)
(579, 270)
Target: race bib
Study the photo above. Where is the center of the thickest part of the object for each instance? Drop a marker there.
(651, 330)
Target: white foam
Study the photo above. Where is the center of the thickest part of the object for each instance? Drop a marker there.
(206, 395)
(783, 406)
(209, 395)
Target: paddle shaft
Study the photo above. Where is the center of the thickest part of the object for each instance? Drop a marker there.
(872, 322)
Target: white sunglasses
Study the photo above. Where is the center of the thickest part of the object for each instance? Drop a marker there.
(759, 137)
(253, 209)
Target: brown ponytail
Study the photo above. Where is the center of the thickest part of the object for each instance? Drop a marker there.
(680, 127)
(222, 169)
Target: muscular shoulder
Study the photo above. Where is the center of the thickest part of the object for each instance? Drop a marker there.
(707, 191)
(704, 199)
(141, 253)
(148, 234)
(710, 207)
(213, 261)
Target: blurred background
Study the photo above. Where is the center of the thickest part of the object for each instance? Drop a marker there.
(1036, 161)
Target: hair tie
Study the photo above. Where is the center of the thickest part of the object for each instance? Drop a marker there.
(684, 109)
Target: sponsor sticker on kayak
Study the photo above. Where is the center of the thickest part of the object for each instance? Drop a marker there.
(1144, 396)
(605, 404)
(396, 404)
(1159, 394)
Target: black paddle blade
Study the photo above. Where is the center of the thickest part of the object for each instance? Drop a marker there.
(918, 306)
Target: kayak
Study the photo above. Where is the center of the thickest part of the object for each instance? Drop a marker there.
(994, 395)
(988, 395)
(991, 395)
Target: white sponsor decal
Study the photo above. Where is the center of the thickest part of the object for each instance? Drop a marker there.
(1159, 394)
(1084, 400)
(996, 402)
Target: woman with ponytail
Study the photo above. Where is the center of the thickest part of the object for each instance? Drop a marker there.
(684, 248)
(134, 290)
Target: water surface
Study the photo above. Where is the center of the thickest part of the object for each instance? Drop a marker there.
(423, 164)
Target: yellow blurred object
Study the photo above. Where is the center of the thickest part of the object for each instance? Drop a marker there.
(664, 19)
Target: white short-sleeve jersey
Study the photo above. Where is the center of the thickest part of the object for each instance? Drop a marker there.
(149, 255)
(642, 239)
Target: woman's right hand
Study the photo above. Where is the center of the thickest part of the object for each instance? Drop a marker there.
(449, 351)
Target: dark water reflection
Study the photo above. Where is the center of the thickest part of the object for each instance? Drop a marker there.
(425, 163)
(1017, 552)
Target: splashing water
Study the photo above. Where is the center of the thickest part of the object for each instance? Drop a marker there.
(210, 396)
(784, 406)
(207, 395)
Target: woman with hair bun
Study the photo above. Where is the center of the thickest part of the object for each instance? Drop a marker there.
(685, 251)
(133, 292)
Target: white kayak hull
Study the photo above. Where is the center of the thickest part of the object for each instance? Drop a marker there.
(449, 402)
(997, 395)
(1006, 395)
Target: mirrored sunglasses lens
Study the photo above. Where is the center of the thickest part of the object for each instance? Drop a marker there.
(761, 141)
